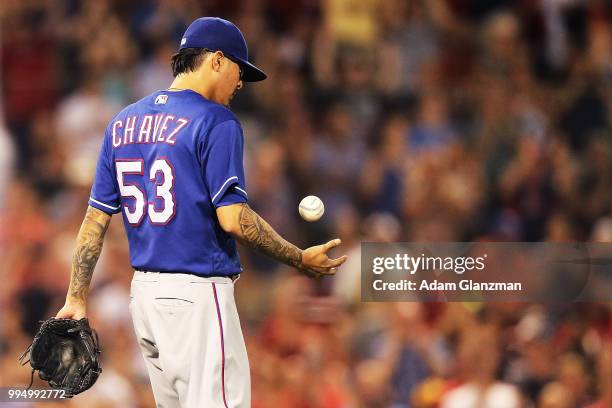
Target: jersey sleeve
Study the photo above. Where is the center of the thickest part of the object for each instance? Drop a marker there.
(222, 164)
(105, 195)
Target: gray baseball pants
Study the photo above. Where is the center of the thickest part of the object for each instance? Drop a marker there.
(189, 334)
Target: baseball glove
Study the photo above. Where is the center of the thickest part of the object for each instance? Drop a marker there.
(66, 354)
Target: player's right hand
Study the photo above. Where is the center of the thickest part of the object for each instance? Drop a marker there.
(316, 263)
(72, 310)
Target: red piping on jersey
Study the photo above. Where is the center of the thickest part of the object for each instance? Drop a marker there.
(222, 344)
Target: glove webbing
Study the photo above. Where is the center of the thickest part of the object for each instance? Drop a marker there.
(22, 358)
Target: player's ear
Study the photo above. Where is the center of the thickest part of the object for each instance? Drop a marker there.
(217, 57)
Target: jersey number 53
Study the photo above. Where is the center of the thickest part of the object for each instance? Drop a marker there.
(162, 207)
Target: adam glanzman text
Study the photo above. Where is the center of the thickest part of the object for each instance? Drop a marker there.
(458, 265)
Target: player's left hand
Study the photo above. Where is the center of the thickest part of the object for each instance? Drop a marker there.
(72, 310)
(316, 263)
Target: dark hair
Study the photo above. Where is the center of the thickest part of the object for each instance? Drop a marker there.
(187, 60)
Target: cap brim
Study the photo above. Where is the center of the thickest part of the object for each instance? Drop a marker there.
(250, 73)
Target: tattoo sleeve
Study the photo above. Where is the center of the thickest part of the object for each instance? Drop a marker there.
(259, 235)
(88, 249)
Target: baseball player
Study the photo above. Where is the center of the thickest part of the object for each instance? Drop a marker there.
(171, 163)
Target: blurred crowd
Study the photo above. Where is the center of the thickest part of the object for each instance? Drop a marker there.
(413, 120)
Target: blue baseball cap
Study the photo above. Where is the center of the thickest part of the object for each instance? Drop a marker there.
(215, 33)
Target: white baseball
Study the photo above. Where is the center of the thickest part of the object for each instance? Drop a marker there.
(311, 208)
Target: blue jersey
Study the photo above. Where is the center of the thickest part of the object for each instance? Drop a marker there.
(167, 162)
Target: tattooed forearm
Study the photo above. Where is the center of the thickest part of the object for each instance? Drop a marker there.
(88, 248)
(259, 235)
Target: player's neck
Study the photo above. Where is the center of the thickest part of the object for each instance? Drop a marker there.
(183, 82)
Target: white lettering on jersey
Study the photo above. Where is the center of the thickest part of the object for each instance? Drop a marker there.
(128, 133)
(117, 138)
(159, 128)
(164, 127)
(182, 123)
(158, 120)
(145, 128)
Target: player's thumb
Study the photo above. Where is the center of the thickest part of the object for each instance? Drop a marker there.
(331, 244)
